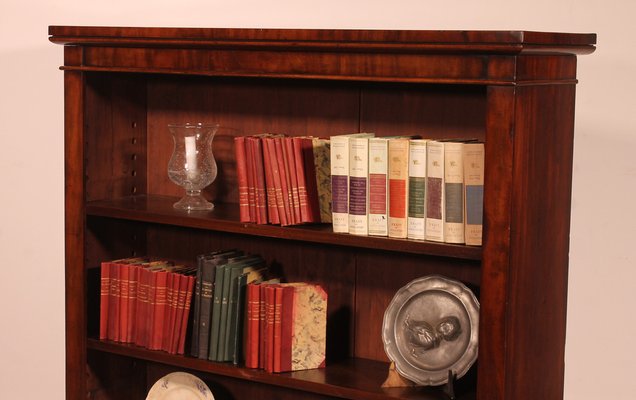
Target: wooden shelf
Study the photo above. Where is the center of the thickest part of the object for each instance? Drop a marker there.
(349, 379)
(224, 218)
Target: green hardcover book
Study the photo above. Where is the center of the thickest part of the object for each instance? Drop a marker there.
(237, 308)
(233, 272)
(208, 274)
(216, 312)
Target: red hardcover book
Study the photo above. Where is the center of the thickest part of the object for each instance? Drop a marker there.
(252, 309)
(241, 177)
(124, 296)
(262, 317)
(180, 294)
(276, 349)
(304, 328)
(186, 313)
(172, 290)
(308, 203)
(251, 180)
(311, 183)
(285, 182)
(257, 153)
(150, 309)
(270, 307)
(276, 177)
(272, 206)
(113, 303)
(290, 163)
(104, 300)
(159, 310)
(141, 316)
(286, 328)
(133, 284)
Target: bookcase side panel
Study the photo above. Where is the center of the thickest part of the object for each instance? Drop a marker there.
(540, 240)
(241, 107)
(496, 246)
(74, 235)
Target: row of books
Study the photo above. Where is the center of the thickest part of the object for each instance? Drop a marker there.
(283, 180)
(146, 302)
(219, 302)
(239, 316)
(405, 187)
(286, 326)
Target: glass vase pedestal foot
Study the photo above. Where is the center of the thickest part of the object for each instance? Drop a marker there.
(193, 201)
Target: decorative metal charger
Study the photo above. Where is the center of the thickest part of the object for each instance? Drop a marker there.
(430, 327)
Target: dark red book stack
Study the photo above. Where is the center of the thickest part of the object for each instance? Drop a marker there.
(277, 179)
(146, 302)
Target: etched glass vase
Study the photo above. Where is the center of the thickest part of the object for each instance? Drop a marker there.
(192, 164)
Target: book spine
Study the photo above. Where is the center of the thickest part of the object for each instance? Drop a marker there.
(398, 187)
(453, 193)
(270, 306)
(151, 310)
(133, 289)
(213, 349)
(230, 316)
(181, 320)
(378, 186)
(340, 183)
(104, 300)
(474, 188)
(208, 270)
(284, 181)
(113, 303)
(166, 335)
(159, 311)
(322, 164)
(311, 182)
(306, 214)
(435, 192)
(251, 328)
(290, 163)
(286, 321)
(261, 191)
(358, 185)
(270, 144)
(194, 340)
(142, 306)
(262, 319)
(251, 181)
(272, 205)
(124, 295)
(278, 305)
(186, 315)
(241, 177)
(417, 189)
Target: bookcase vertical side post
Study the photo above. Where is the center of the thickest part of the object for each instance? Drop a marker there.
(74, 234)
(496, 244)
(542, 181)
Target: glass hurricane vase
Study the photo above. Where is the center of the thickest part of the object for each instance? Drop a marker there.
(192, 164)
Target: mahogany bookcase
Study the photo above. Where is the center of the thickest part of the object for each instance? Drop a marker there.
(515, 90)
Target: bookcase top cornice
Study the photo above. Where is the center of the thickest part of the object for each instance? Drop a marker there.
(482, 41)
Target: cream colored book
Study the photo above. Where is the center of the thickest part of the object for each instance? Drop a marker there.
(340, 181)
(453, 192)
(435, 191)
(473, 162)
(398, 186)
(359, 185)
(378, 186)
(417, 189)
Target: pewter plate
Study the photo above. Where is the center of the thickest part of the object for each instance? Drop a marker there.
(431, 327)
